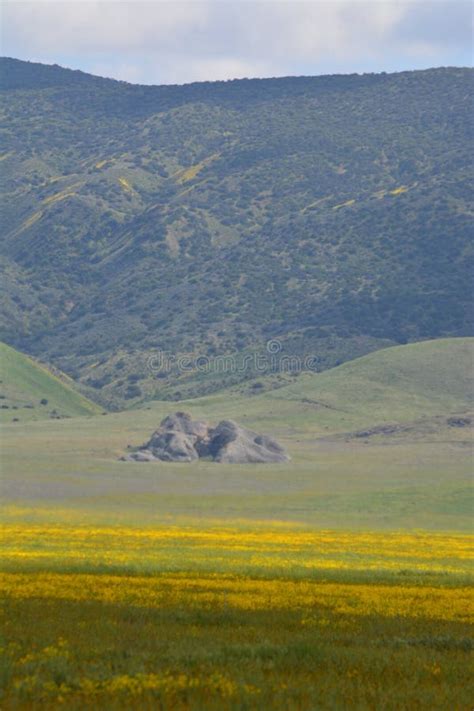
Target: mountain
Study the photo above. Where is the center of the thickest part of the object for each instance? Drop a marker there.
(29, 391)
(330, 213)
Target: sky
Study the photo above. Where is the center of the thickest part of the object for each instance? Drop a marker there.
(163, 42)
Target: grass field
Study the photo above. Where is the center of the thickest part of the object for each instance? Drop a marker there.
(234, 617)
(415, 475)
(339, 580)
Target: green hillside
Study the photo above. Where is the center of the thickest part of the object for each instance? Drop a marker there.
(329, 212)
(402, 384)
(398, 384)
(28, 391)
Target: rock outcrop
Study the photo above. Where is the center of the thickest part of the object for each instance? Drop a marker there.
(182, 439)
(238, 445)
(178, 439)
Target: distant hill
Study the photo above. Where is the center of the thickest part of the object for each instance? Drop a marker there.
(402, 385)
(30, 391)
(395, 385)
(332, 213)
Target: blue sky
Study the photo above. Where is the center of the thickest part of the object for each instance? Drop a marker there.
(162, 42)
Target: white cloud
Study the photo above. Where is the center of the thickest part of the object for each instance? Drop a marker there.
(217, 69)
(100, 26)
(192, 40)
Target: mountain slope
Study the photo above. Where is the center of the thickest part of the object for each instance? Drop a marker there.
(332, 213)
(29, 391)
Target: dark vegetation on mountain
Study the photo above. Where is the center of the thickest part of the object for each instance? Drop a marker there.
(331, 213)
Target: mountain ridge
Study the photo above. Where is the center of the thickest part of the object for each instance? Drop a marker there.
(19, 67)
(210, 218)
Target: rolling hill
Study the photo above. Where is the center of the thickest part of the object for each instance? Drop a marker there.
(28, 391)
(398, 385)
(332, 213)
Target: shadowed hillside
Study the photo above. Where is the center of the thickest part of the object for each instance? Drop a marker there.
(329, 212)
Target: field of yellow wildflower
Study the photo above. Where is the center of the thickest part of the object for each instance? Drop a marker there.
(230, 616)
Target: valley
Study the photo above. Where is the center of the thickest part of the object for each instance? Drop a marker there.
(236, 391)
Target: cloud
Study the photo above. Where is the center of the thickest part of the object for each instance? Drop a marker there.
(163, 41)
(442, 24)
(100, 26)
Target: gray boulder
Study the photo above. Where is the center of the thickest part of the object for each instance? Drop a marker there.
(170, 446)
(179, 438)
(237, 445)
(183, 422)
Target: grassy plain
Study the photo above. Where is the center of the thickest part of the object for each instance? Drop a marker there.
(234, 617)
(370, 443)
(337, 581)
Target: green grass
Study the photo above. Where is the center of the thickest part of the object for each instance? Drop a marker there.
(394, 385)
(241, 660)
(233, 618)
(24, 383)
(207, 587)
(417, 477)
